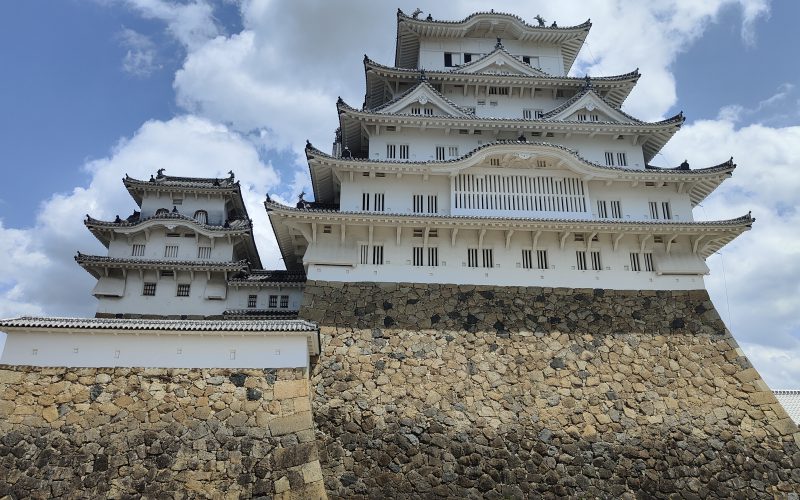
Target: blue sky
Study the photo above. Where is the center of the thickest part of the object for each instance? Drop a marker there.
(95, 89)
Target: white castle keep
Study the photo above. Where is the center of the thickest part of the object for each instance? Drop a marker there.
(474, 159)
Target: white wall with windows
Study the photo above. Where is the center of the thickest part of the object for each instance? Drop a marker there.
(580, 263)
(186, 204)
(432, 53)
(178, 243)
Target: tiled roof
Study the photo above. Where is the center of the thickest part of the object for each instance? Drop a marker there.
(234, 225)
(254, 325)
(102, 260)
(738, 221)
(790, 400)
(455, 71)
(722, 167)
(260, 314)
(263, 277)
(497, 49)
(587, 89)
(586, 24)
(402, 96)
(187, 182)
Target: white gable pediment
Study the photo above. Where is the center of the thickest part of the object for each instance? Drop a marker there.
(500, 61)
(421, 97)
(591, 104)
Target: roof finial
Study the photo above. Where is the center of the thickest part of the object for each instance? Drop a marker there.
(588, 80)
(540, 20)
(429, 18)
(522, 137)
(499, 44)
(230, 175)
(174, 209)
(160, 172)
(684, 165)
(554, 25)
(422, 76)
(346, 153)
(308, 144)
(416, 13)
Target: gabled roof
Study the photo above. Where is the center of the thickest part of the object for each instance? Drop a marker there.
(422, 93)
(615, 87)
(487, 25)
(499, 57)
(652, 136)
(588, 99)
(161, 183)
(700, 182)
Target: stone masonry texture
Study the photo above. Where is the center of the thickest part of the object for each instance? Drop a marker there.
(156, 433)
(427, 391)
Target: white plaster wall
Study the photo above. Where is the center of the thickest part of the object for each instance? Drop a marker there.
(214, 205)
(398, 195)
(508, 261)
(423, 144)
(101, 349)
(155, 246)
(432, 51)
(239, 296)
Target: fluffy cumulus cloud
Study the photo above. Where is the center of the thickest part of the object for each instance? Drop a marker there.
(273, 81)
(140, 58)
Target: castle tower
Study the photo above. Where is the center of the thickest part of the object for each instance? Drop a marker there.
(188, 252)
(476, 160)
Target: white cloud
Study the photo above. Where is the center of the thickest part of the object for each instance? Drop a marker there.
(191, 22)
(140, 58)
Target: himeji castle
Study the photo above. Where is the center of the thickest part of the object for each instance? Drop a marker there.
(476, 159)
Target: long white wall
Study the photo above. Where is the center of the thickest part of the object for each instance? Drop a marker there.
(187, 243)
(507, 266)
(163, 351)
(189, 204)
(431, 55)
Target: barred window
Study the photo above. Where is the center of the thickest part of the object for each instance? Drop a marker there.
(364, 254)
(580, 257)
(183, 289)
(488, 257)
(417, 200)
(377, 255)
(138, 251)
(203, 253)
(472, 257)
(251, 301)
(149, 289)
(541, 259)
(527, 259)
(201, 216)
(616, 210)
(648, 262)
(433, 256)
(596, 264)
(418, 256)
(171, 251)
(273, 301)
(636, 264)
(284, 301)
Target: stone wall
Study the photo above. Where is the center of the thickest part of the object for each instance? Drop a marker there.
(132, 432)
(466, 391)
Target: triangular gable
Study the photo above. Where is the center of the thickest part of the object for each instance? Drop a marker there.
(499, 61)
(423, 95)
(591, 104)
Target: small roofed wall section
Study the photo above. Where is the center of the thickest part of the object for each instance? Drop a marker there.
(464, 391)
(548, 58)
(131, 432)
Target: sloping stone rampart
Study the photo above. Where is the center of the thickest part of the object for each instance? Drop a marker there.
(468, 391)
(157, 433)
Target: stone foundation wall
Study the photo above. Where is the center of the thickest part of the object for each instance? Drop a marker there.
(132, 432)
(468, 391)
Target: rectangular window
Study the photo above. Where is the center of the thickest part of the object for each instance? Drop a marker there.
(609, 159)
(648, 262)
(622, 158)
(495, 162)
(526, 59)
(488, 257)
(602, 209)
(419, 254)
(532, 114)
(138, 251)
(616, 210)
(596, 264)
(391, 150)
(541, 163)
(452, 151)
(284, 301)
(416, 110)
(327, 229)
(433, 233)
(167, 274)
(433, 204)
(378, 202)
(428, 111)
(440, 153)
(377, 255)
(653, 210)
(171, 251)
(418, 232)
(481, 102)
(541, 259)
(580, 257)
(666, 210)
(251, 301)
(636, 264)
(203, 253)
(527, 259)
(417, 203)
(582, 117)
(273, 301)
(365, 202)
(467, 57)
(498, 90)
(364, 254)
(472, 257)
(404, 151)
(149, 289)
(433, 256)
(579, 237)
(451, 59)
(177, 201)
